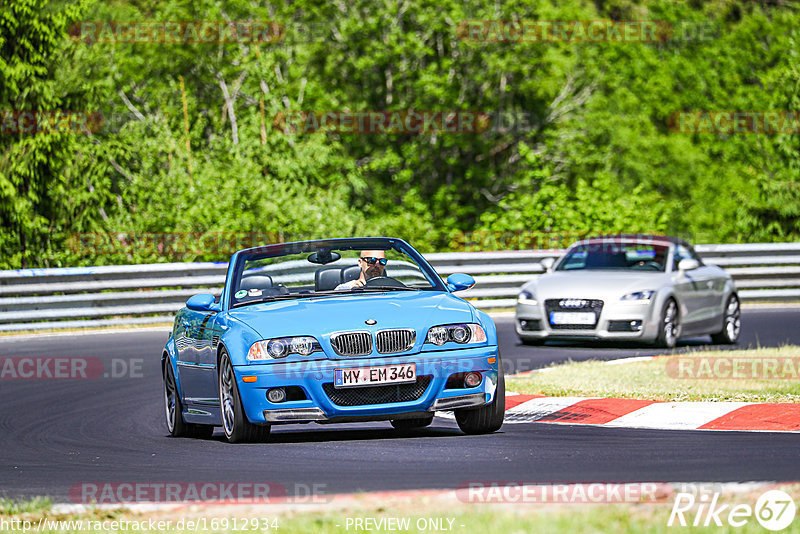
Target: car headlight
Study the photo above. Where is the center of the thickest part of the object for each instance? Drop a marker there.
(281, 347)
(638, 295)
(458, 333)
(526, 297)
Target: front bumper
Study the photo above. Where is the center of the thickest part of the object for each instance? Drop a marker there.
(307, 415)
(633, 321)
(314, 376)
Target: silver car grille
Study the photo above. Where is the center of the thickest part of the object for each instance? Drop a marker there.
(392, 341)
(352, 343)
(570, 305)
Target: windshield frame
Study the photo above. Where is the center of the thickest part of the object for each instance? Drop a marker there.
(237, 262)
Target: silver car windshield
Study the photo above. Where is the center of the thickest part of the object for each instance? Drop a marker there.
(615, 256)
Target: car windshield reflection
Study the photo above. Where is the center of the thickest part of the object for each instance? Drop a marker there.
(616, 256)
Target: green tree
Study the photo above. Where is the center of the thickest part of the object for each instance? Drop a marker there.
(47, 183)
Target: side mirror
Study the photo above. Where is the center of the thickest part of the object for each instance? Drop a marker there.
(459, 282)
(547, 263)
(688, 264)
(202, 302)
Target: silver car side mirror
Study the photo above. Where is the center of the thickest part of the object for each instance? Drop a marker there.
(688, 264)
(547, 263)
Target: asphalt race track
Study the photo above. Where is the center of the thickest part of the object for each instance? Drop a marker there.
(56, 434)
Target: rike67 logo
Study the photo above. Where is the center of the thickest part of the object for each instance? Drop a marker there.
(774, 510)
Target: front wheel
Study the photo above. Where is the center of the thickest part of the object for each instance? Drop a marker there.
(489, 418)
(234, 421)
(732, 324)
(669, 327)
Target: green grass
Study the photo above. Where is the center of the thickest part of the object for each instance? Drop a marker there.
(15, 507)
(576, 519)
(462, 518)
(651, 379)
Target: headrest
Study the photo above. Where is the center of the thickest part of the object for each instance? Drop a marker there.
(256, 281)
(327, 278)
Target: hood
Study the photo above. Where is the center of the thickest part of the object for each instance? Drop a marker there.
(324, 315)
(594, 284)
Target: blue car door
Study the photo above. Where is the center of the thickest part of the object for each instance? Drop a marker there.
(197, 359)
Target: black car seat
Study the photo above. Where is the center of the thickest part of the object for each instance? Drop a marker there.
(350, 273)
(327, 278)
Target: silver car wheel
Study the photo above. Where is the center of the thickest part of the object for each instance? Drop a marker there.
(670, 324)
(733, 321)
(226, 395)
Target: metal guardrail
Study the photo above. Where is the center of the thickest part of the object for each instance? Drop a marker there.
(32, 299)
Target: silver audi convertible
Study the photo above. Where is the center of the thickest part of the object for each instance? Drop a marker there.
(651, 289)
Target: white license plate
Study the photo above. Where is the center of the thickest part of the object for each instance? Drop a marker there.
(581, 318)
(371, 376)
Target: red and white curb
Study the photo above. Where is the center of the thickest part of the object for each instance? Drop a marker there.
(635, 413)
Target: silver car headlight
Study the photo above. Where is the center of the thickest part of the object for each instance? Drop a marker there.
(527, 297)
(638, 296)
(281, 347)
(458, 333)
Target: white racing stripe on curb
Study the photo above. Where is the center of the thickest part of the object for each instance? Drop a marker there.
(535, 409)
(631, 360)
(674, 415)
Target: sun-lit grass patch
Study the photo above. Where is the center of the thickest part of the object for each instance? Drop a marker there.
(659, 379)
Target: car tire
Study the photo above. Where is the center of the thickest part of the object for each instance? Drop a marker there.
(173, 408)
(235, 425)
(489, 418)
(731, 323)
(669, 325)
(410, 424)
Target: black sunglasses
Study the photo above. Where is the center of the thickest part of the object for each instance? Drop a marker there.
(371, 261)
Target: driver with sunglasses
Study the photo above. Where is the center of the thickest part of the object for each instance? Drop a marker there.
(372, 263)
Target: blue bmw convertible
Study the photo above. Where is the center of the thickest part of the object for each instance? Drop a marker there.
(331, 331)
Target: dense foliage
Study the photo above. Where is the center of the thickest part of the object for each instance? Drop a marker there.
(194, 157)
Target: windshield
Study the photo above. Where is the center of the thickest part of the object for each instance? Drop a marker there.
(330, 268)
(615, 256)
